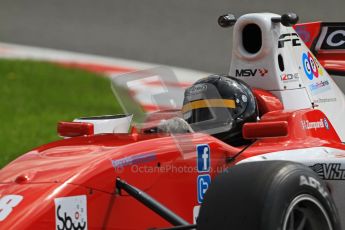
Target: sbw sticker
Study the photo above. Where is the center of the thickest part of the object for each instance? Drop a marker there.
(71, 213)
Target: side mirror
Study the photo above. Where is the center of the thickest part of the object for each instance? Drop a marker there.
(74, 129)
(257, 130)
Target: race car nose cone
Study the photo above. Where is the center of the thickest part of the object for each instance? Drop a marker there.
(22, 179)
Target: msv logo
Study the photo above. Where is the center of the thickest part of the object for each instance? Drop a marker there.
(251, 72)
(310, 66)
(204, 157)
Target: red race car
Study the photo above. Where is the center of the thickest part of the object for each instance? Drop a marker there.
(258, 148)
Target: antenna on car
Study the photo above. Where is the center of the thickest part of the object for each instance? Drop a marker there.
(288, 19)
(227, 20)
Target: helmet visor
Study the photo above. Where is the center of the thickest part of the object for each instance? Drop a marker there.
(206, 111)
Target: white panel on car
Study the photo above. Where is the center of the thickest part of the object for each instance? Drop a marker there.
(271, 56)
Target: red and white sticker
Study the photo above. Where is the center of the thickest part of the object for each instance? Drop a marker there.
(7, 203)
(196, 210)
(71, 213)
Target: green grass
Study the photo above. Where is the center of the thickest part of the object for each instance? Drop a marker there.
(36, 95)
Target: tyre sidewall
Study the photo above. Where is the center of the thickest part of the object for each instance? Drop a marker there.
(285, 187)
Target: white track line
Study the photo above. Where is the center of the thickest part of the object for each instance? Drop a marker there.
(107, 65)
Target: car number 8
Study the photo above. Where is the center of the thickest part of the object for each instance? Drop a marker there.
(7, 203)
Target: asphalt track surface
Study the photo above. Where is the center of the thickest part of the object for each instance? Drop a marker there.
(175, 32)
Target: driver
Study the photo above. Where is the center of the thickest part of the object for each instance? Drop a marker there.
(220, 105)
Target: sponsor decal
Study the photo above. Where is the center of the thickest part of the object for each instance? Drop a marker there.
(325, 100)
(311, 66)
(263, 72)
(7, 204)
(131, 160)
(289, 77)
(203, 182)
(326, 123)
(338, 155)
(251, 72)
(303, 33)
(196, 210)
(312, 182)
(197, 89)
(288, 38)
(331, 171)
(244, 98)
(322, 123)
(320, 87)
(71, 213)
(203, 157)
(334, 38)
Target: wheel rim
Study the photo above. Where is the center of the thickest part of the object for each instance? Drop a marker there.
(306, 213)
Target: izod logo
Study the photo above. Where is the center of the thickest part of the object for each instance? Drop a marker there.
(289, 77)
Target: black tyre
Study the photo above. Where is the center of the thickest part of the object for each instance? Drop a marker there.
(271, 195)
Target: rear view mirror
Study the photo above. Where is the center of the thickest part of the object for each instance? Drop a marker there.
(257, 130)
(74, 129)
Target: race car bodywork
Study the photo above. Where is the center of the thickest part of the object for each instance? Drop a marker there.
(73, 183)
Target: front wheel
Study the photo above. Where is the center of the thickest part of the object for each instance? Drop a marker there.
(268, 195)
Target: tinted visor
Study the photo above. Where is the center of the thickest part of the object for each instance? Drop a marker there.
(206, 111)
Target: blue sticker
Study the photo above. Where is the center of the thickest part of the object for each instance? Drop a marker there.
(203, 183)
(319, 87)
(307, 67)
(132, 160)
(204, 157)
(326, 123)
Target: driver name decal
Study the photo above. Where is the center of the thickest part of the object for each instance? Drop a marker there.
(71, 213)
(321, 124)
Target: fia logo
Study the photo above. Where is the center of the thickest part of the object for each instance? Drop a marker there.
(203, 183)
(204, 157)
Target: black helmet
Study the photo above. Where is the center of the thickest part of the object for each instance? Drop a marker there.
(220, 105)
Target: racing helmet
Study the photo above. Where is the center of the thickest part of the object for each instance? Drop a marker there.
(220, 105)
